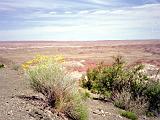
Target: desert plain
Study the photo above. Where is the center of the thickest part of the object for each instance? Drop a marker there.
(147, 51)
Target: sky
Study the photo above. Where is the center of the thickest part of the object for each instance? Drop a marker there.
(79, 19)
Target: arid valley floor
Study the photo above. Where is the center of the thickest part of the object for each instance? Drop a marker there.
(97, 51)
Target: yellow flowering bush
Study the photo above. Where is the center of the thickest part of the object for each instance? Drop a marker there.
(48, 76)
(42, 59)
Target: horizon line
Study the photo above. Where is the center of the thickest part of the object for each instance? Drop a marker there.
(77, 40)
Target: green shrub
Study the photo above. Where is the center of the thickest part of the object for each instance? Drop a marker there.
(143, 94)
(115, 78)
(122, 100)
(125, 101)
(150, 114)
(129, 115)
(78, 111)
(120, 104)
(153, 94)
(138, 105)
(59, 89)
(1, 65)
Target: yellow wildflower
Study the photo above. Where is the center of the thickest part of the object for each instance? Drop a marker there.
(42, 58)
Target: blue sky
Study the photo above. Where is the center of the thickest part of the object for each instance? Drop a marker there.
(79, 19)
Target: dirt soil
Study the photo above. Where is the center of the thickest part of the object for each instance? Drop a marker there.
(18, 101)
(11, 85)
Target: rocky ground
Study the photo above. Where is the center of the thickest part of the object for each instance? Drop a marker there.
(12, 85)
(19, 102)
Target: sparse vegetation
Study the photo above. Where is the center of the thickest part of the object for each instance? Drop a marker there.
(16, 67)
(153, 95)
(84, 93)
(122, 100)
(61, 93)
(130, 88)
(142, 97)
(129, 115)
(1, 65)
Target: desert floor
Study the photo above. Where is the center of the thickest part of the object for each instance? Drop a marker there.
(96, 51)
(19, 102)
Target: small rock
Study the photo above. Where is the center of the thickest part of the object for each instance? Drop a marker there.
(144, 118)
(120, 116)
(102, 111)
(108, 113)
(43, 115)
(98, 112)
(10, 113)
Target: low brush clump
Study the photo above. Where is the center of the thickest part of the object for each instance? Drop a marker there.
(128, 87)
(49, 77)
(129, 115)
(16, 67)
(1, 65)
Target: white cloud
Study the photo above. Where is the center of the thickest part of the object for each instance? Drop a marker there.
(119, 11)
(84, 12)
(53, 12)
(120, 23)
(68, 12)
(100, 1)
(100, 12)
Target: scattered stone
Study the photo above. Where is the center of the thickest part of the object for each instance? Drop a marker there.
(119, 116)
(10, 113)
(39, 115)
(144, 118)
(103, 114)
(99, 112)
(108, 113)
(44, 115)
(102, 111)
